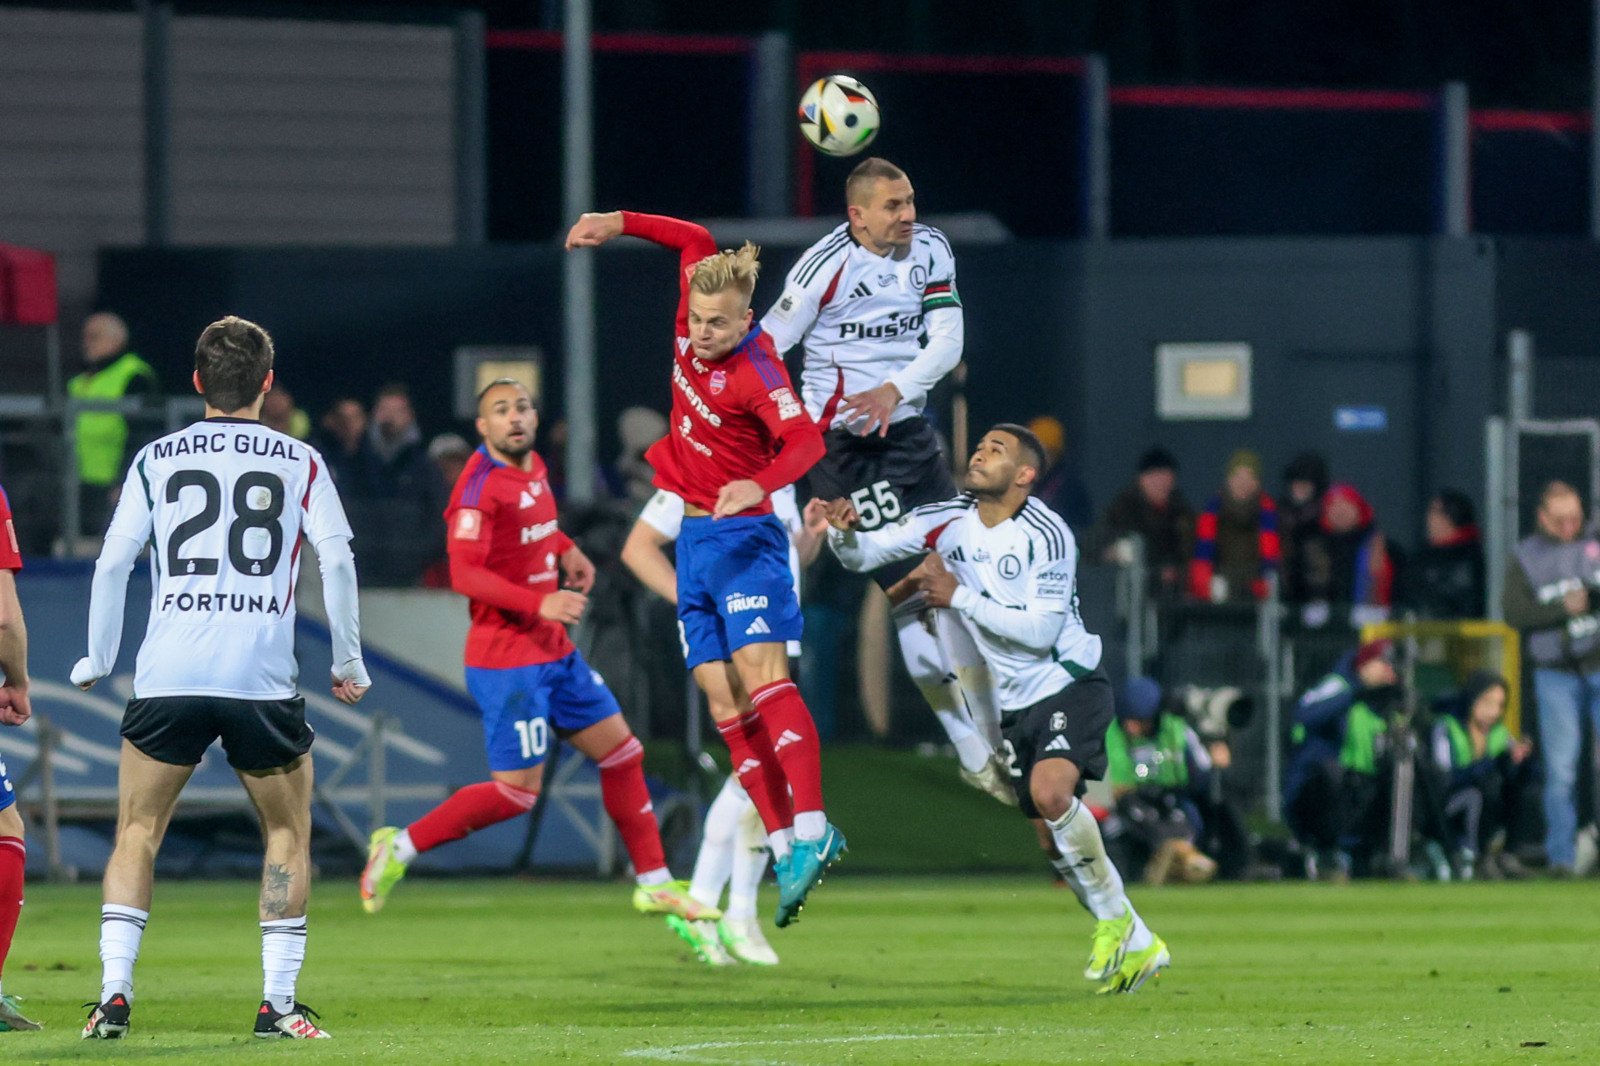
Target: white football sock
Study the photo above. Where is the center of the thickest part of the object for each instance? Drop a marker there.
(780, 843)
(404, 850)
(283, 950)
(1063, 867)
(749, 865)
(937, 683)
(972, 673)
(1078, 839)
(121, 929)
(810, 825)
(714, 862)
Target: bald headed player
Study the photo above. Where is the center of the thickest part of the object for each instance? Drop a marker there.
(874, 304)
(508, 557)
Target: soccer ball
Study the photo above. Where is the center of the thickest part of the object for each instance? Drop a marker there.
(839, 115)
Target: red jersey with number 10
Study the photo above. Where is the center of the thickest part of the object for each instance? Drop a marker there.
(505, 553)
(734, 419)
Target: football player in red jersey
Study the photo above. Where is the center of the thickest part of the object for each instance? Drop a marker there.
(509, 559)
(738, 433)
(14, 710)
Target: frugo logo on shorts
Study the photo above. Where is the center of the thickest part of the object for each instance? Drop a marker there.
(738, 602)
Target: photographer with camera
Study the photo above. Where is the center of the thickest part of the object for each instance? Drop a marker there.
(1157, 767)
(1485, 770)
(1335, 790)
(1549, 596)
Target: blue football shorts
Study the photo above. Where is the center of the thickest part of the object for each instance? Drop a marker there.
(522, 704)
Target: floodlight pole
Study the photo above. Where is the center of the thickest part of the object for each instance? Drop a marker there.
(577, 85)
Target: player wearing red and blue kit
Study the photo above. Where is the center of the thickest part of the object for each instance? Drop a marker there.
(14, 710)
(508, 558)
(738, 433)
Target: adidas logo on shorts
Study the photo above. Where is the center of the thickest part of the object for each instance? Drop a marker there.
(1058, 744)
(758, 627)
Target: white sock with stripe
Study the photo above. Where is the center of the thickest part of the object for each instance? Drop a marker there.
(121, 930)
(749, 865)
(283, 950)
(933, 677)
(1083, 851)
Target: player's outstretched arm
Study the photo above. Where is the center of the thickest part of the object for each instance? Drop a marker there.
(14, 704)
(341, 603)
(107, 599)
(862, 551)
(594, 228)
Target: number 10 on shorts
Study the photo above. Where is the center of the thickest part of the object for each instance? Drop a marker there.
(533, 735)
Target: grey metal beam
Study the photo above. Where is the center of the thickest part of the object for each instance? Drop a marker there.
(1455, 161)
(577, 85)
(156, 38)
(1097, 148)
(772, 106)
(471, 139)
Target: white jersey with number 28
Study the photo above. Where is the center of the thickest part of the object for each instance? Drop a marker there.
(223, 505)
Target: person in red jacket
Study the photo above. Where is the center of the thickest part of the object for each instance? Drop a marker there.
(738, 433)
(508, 557)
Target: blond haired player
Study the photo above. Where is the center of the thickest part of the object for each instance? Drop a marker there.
(733, 846)
(738, 433)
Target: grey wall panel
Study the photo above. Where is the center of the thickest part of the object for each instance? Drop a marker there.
(304, 133)
(70, 138)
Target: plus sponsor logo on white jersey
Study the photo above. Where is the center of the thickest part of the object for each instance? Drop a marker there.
(860, 316)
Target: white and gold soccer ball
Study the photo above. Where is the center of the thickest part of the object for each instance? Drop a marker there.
(839, 115)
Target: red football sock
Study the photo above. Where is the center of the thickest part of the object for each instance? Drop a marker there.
(758, 769)
(12, 859)
(794, 740)
(468, 810)
(627, 801)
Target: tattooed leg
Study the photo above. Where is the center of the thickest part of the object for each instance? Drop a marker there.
(282, 799)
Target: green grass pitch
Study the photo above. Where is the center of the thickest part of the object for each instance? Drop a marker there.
(883, 969)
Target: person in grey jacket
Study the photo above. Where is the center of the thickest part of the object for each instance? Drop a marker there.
(1550, 589)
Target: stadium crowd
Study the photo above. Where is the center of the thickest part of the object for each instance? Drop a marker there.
(1318, 540)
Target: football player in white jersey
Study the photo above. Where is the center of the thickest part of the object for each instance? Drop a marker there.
(224, 506)
(875, 305)
(1008, 564)
(733, 846)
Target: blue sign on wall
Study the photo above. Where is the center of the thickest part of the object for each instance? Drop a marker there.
(1369, 419)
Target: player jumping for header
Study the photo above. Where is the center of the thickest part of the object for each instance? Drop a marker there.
(876, 307)
(508, 558)
(1008, 564)
(738, 434)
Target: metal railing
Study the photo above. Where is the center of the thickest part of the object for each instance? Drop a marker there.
(27, 417)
